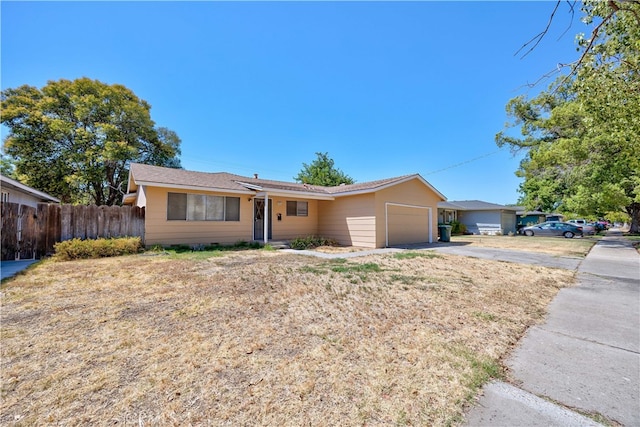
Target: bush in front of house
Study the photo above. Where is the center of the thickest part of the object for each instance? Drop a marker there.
(96, 248)
(311, 242)
(458, 228)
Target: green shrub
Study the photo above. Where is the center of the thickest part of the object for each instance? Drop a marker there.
(458, 228)
(96, 248)
(310, 242)
(201, 247)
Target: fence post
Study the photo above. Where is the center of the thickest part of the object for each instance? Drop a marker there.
(9, 230)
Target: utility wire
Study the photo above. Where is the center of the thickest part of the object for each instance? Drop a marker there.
(464, 163)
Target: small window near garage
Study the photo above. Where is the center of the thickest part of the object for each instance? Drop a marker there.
(295, 208)
(5, 197)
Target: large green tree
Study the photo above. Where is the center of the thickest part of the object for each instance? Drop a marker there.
(581, 137)
(75, 139)
(322, 172)
(6, 166)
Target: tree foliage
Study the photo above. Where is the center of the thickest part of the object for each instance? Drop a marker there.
(581, 137)
(75, 139)
(6, 166)
(322, 172)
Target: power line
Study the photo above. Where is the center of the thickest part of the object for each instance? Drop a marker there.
(464, 163)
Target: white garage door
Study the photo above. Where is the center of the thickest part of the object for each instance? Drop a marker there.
(407, 224)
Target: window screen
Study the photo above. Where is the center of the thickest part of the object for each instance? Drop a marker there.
(201, 207)
(297, 208)
(215, 208)
(196, 207)
(232, 209)
(177, 206)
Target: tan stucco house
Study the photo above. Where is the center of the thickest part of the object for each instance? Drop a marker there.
(187, 207)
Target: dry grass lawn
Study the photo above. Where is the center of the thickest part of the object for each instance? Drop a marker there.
(261, 338)
(559, 246)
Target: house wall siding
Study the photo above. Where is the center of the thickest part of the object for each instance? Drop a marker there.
(20, 198)
(505, 219)
(406, 225)
(472, 218)
(349, 220)
(291, 227)
(160, 231)
(360, 220)
(508, 222)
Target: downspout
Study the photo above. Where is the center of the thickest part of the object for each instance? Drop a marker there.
(266, 218)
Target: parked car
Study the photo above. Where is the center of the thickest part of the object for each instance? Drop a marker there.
(553, 228)
(587, 228)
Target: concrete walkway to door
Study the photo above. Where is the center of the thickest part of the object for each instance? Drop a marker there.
(585, 359)
(11, 268)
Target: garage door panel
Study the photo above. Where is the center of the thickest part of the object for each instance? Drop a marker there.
(406, 225)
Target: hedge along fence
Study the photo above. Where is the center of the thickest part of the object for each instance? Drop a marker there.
(29, 232)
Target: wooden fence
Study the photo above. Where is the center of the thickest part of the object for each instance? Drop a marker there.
(29, 232)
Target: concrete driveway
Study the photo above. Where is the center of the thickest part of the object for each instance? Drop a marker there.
(585, 359)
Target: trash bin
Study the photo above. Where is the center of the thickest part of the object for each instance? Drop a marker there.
(445, 233)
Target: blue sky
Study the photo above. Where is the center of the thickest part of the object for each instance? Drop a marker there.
(386, 88)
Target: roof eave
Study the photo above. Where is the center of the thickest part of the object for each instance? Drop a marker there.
(193, 187)
(300, 194)
(129, 198)
(390, 184)
(32, 191)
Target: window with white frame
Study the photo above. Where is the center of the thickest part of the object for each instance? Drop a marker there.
(202, 207)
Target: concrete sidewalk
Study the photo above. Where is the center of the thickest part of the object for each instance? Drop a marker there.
(11, 268)
(584, 359)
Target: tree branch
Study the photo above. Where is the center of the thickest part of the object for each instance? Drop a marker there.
(538, 37)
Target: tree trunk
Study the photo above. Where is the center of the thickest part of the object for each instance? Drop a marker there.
(634, 212)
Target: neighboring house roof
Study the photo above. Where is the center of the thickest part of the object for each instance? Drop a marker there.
(16, 185)
(140, 174)
(474, 205)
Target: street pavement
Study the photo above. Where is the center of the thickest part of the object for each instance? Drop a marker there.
(585, 359)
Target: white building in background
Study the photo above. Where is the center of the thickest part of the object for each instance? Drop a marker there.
(16, 192)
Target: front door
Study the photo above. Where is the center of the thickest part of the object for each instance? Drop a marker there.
(258, 219)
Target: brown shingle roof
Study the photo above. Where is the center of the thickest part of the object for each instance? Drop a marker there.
(370, 185)
(147, 174)
(161, 175)
(474, 205)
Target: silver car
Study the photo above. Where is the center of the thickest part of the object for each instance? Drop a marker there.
(553, 228)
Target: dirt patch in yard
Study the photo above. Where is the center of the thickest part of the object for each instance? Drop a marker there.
(339, 249)
(261, 338)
